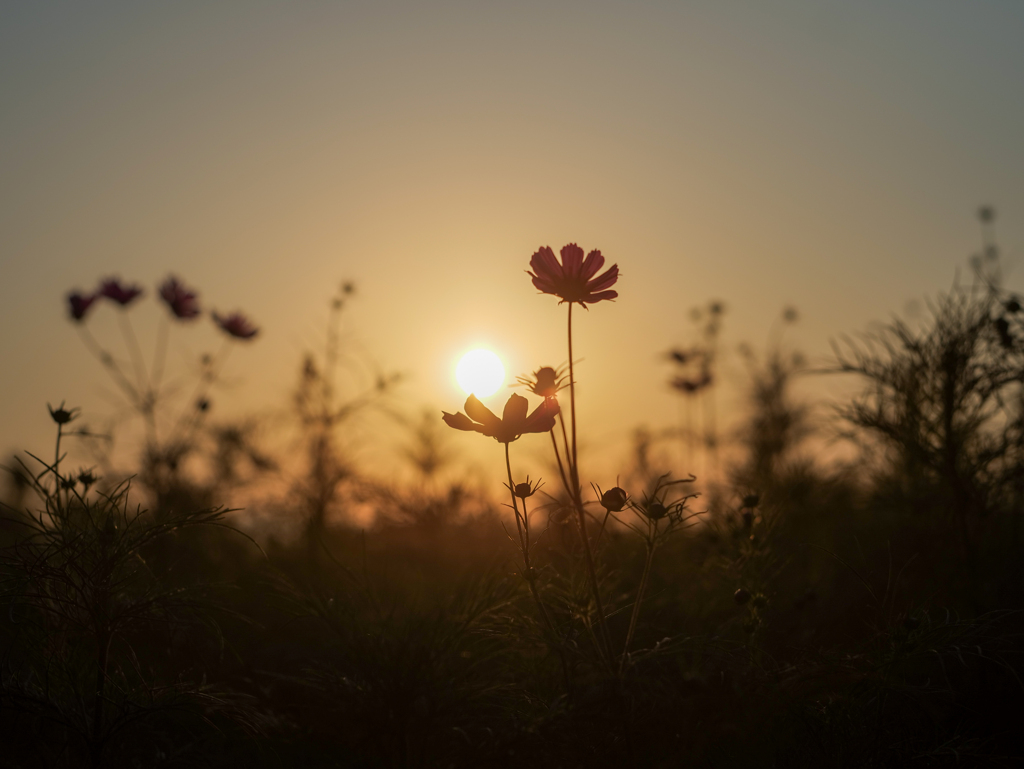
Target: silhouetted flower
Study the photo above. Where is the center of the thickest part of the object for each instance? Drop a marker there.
(237, 325)
(691, 386)
(123, 295)
(79, 304)
(573, 279)
(614, 500)
(655, 510)
(545, 382)
(513, 422)
(181, 301)
(86, 478)
(61, 415)
(526, 489)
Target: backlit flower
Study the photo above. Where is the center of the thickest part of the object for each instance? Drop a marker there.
(181, 301)
(124, 295)
(513, 422)
(545, 382)
(61, 415)
(79, 304)
(236, 324)
(573, 279)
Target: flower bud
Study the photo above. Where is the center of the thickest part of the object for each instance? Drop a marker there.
(614, 500)
(524, 490)
(61, 415)
(656, 511)
(741, 596)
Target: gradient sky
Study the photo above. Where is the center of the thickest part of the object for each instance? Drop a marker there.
(821, 154)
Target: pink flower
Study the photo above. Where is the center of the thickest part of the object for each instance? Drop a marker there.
(181, 301)
(513, 423)
(79, 304)
(573, 279)
(112, 289)
(237, 325)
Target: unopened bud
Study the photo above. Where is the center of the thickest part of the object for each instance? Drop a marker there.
(614, 500)
(656, 511)
(741, 596)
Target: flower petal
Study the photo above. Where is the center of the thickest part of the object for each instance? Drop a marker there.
(543, 284)
(572, 258)
(607, 280)
(545, 265)
(543, 417)
(480, 413)
(593, 263)
(459, 421)
(600, 296)
(515, 413)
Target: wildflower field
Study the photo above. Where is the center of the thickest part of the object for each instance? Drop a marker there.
(743, 605)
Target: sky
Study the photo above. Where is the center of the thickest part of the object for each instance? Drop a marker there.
(823, 155)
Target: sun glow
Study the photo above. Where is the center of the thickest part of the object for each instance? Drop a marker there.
(480, 373)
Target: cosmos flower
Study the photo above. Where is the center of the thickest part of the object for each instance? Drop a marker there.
(79, 304)
(236, 324)
(112, 289)
(573, 279)
(181, 301)
(513, 423)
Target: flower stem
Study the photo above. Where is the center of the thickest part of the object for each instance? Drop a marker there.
(574, 477)
(639, 600)
(530, 575)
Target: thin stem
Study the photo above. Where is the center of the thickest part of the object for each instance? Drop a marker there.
(160, 354)
(561, 469)
(639, 599)
(107, 361)
(530, 574)
(134, 350)
(572, 403)
(523, 543)
(574, 477)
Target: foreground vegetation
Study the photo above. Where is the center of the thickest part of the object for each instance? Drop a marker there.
(864, 615)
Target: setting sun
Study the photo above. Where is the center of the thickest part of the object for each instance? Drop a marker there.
(480, 373)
